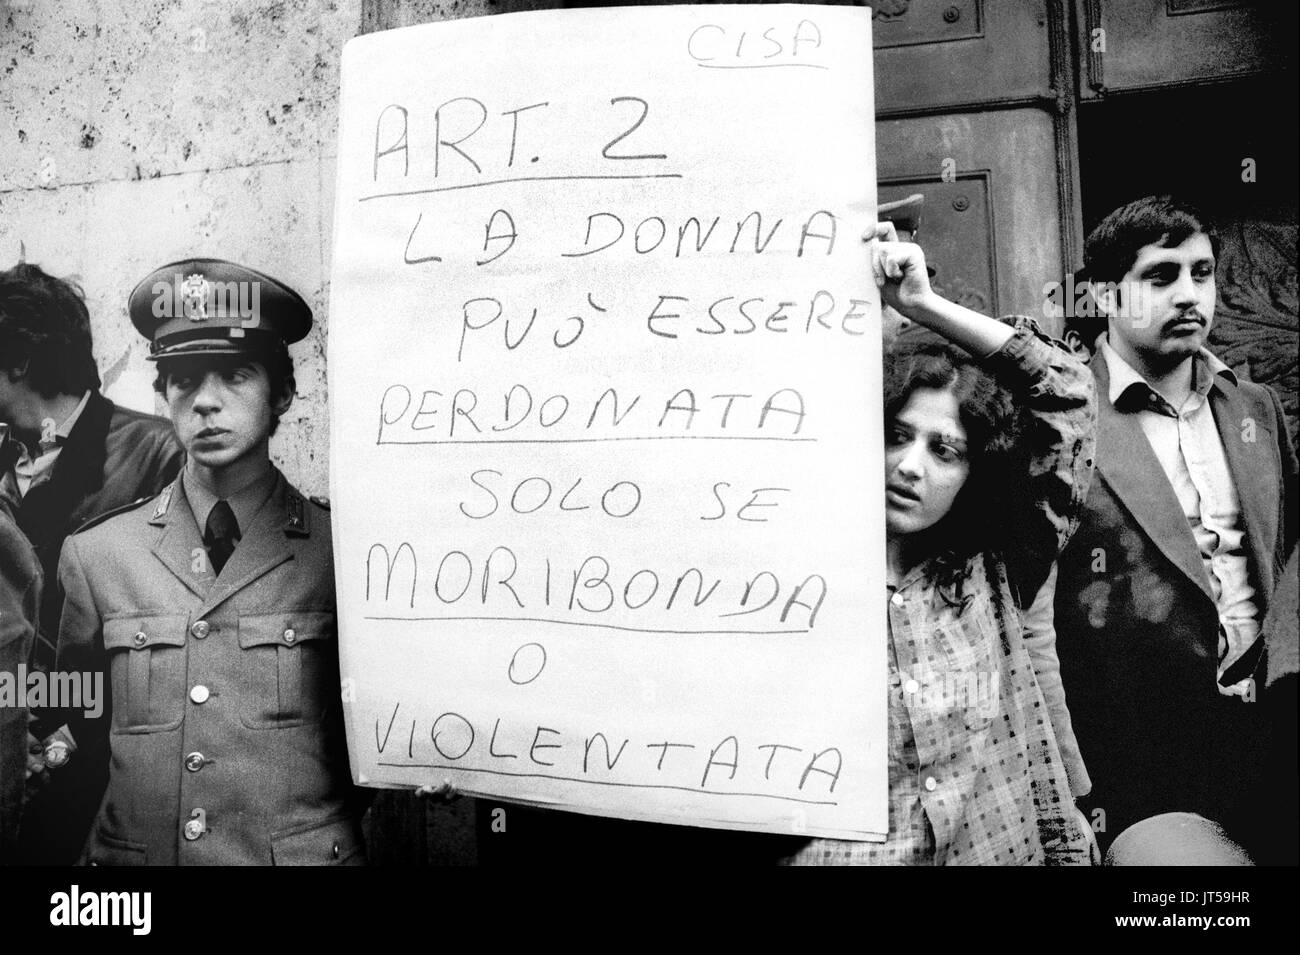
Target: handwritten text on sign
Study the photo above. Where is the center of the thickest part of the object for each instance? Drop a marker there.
(604, 380)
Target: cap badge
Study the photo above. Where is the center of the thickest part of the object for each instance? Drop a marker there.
(195, 292)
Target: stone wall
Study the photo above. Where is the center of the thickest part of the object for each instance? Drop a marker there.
(137, 133)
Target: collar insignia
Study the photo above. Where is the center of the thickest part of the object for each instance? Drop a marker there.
(295, 519)
(164, 502)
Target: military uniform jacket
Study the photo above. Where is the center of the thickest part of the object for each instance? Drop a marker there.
(226, 741)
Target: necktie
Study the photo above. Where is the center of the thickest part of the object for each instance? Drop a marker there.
(220, 535)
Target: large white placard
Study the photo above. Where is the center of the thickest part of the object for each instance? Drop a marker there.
(604, 374)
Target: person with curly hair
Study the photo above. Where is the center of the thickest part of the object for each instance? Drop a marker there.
(988, 455)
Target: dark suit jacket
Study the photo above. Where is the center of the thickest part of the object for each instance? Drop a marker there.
(20, 580)
(1137, 627)
(112, 457)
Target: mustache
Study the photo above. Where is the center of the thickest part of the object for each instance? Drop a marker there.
(1192, 314)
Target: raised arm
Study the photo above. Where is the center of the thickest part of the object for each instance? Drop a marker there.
(1053, 389)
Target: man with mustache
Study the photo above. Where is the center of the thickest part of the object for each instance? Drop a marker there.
(1162, 590)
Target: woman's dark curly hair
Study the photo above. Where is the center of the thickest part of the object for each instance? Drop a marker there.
(977, 522)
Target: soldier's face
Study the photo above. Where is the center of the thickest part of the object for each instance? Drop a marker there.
(222, 409)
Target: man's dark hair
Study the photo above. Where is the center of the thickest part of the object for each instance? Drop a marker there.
(277, 362)
(45, 330)
(1112, 247)
(1087, 320)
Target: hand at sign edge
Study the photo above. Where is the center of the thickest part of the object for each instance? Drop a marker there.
(899, 270)
(443, 795)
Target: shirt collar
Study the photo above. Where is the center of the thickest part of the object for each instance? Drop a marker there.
(1206, 370)
(65, 429)
(61, 433)
(245, 502)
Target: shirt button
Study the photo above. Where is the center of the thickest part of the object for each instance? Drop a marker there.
(200, 693)
(200, 629)
(290, 636)
(930, 784)
(911, 686)
(897, 599)
(194, 762)
(141, 638)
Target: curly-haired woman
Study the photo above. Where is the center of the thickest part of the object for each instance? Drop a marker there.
(988, 454)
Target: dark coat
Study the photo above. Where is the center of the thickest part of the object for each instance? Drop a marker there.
(1137, 627)
(112, 457)
(226, 732)
(20, 581)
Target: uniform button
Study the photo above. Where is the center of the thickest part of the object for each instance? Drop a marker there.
(199, 694)
(200, 629)
(897, 599)
(336, 850)
(57, 754)
(290, 636)
(195, 826)
(140, 638)
(194, 762)
(911, 686)
(930, 784)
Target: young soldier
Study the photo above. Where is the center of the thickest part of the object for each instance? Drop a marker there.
(211, 607)
(1162, 590)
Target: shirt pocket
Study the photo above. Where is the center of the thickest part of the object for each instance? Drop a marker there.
(290, 663)
(972, 681)
(146, 665)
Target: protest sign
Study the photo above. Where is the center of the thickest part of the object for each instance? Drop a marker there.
(604, 370)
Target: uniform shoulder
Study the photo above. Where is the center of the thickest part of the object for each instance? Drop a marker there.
(112, 513)
(303, 519)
